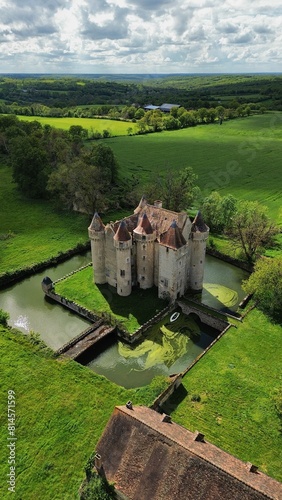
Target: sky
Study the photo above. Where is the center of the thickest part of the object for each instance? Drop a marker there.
(140, 36)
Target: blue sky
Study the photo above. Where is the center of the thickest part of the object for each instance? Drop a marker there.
(140, 36)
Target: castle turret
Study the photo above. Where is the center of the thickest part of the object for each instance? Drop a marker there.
(97, 236)
(142, 204)
(173, 252)
(145, 237)
(199, 236)
(123, 245)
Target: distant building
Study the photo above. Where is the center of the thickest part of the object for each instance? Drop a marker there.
(153, 246)
(165, 108)
(149, 457)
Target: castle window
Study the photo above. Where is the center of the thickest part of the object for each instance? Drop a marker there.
(122, 272)
(144, 246)
(167, 249)
(127, 260)
(165, 282)
(143, 237)
(143, 257)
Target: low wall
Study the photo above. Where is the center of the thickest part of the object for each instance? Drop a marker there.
(131, 338)
(15, 276)
(82, 311)
(165, 395)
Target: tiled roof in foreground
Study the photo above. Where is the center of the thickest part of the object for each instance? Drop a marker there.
(148, 457)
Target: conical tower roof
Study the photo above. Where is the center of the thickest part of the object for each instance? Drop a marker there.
(122, 233)
(141, 205)
(144, 226)
(173, 237)
(198, 224)
(96, 223)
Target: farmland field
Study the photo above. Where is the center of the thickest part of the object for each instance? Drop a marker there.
(230, 395)
(242, 157)
(116, 127)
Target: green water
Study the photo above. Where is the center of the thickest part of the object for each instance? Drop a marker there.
(167, 349)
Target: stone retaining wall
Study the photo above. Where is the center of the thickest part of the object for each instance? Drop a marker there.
(165, 395)
(132, 338)
(20, 274)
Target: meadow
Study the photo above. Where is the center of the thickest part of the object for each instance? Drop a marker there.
(115, 127)
(241, 157)
(61, 411)
(230, 394)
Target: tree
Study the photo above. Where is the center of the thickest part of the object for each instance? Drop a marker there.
(30, 166)
(266, 285)
(252, 229)
(87, 182)
(218, 211)
(177, 190)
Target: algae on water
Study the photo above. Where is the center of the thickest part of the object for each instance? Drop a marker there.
(223, 294)
(164, 344)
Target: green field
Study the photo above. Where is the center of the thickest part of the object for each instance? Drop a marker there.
(80, 288)
(117, 128)
(237, 382)
(31, 231)
(242, 157)
(61, 411)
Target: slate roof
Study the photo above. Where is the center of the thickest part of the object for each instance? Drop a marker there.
(150, 458)
(144, 226)
(173, 237)
(122, 233)
(198, 224)
(96, 223)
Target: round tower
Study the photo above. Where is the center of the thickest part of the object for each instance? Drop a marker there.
(97, 236)
(199, 236)
(145, 236)
(123, 245)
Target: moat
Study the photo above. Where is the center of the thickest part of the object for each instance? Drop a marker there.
(163, 351)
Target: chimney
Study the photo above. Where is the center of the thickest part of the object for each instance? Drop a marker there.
(129, 405)
(98, 461)
(158, 204)
(199, 436)
(166, 418)
(252, 468)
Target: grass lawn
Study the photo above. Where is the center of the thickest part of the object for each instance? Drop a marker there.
(116, 127)
(131, 311)
(241, 157)
(61, 411)
(237, 381)
(31, 231)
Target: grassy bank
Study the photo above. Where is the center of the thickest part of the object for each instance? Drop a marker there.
(236, 382)
(130, 311)
(61, 411)
(115, 127)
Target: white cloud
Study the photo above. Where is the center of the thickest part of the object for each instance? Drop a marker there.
(140, 35)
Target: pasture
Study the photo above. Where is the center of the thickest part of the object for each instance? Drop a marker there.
(230, 395)
(61, 411)
(115, 127)
(241, 157)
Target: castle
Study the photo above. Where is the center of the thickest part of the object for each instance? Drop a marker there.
(153, 246)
